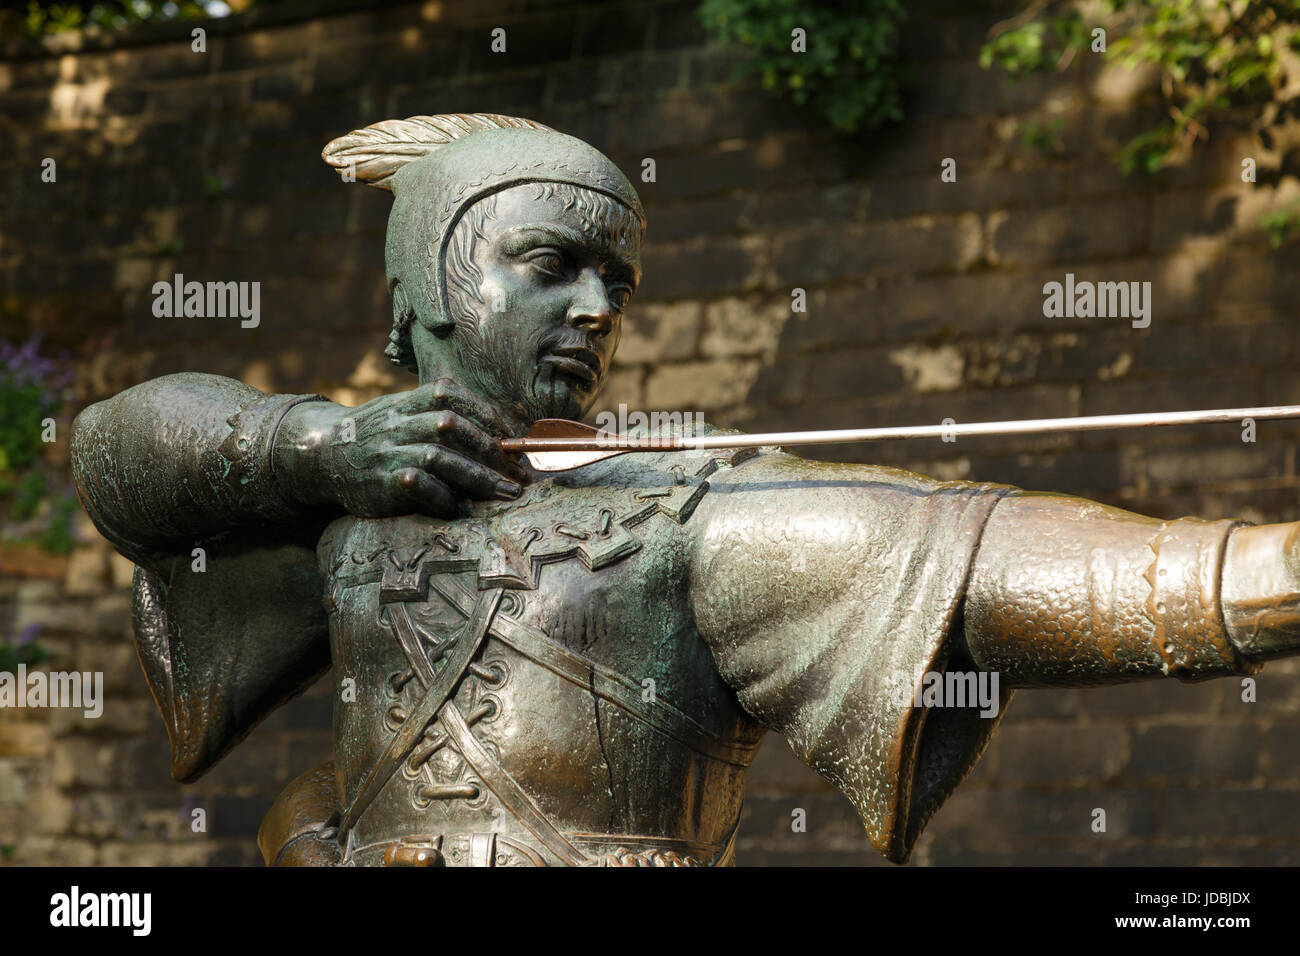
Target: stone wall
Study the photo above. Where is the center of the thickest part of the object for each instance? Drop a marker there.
(924, 302)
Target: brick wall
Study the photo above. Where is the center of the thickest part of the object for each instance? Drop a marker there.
(924, 300)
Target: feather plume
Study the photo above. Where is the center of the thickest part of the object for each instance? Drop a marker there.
(375, 153)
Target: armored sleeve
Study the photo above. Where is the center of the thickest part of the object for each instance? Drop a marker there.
(1065, 591)
(179, 458)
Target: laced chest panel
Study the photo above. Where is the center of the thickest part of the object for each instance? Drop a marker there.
(587, 685)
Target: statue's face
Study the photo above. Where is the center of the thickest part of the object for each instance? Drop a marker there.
(553, 288)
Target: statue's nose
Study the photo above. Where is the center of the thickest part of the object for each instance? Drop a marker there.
(591, 309)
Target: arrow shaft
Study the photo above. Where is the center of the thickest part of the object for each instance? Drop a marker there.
(1036, 426)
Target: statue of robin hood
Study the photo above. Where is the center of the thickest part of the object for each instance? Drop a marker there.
(577, 668)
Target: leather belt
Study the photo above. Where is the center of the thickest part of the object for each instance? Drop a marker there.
(501, 849)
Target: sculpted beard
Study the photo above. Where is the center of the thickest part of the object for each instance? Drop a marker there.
(511, 368)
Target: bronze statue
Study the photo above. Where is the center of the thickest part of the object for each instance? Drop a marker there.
(577, 668)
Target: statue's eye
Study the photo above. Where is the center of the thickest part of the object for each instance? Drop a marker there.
(548, 261)
(619, 296)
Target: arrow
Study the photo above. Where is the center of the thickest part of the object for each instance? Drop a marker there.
(555, 444)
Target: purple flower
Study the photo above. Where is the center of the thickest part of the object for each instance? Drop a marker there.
(22, 366)
(29, 634)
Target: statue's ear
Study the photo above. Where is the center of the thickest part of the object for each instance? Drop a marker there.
(400, 349)
(405, 314)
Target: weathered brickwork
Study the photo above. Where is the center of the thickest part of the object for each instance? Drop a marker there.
(924, 301)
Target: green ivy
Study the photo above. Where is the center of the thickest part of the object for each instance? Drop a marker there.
(1036, 46)
(1041, 137)
(848, 73)
(62, 17)
(1219, 60)
(28, 493)
(1283, 225)
(58, 536)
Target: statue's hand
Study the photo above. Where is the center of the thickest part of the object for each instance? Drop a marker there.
(418, 451)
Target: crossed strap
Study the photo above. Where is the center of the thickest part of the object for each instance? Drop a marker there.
(438, 688)
(481, 615)
(437, 704)
(615, 688)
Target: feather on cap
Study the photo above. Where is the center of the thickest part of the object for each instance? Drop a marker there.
(374, 154)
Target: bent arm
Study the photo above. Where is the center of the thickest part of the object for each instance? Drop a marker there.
(180, 458)
(186, 459)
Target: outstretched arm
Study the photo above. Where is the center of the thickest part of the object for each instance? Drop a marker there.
(830, 593)
(827, 594)
(1065, 591)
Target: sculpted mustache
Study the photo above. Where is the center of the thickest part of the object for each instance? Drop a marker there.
(569, 343)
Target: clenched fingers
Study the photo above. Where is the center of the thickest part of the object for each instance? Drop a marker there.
(427, 494)
(460, 433)
(459, 472)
